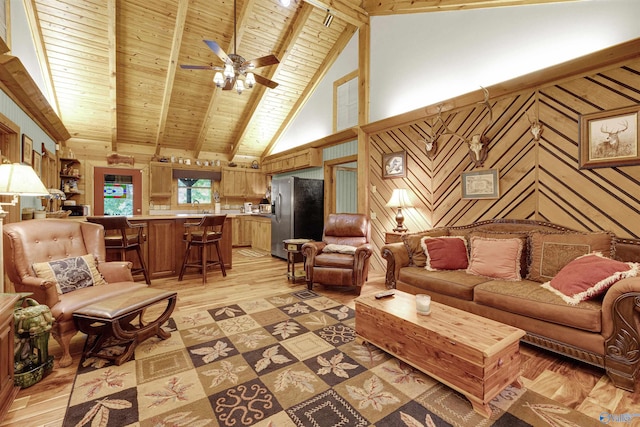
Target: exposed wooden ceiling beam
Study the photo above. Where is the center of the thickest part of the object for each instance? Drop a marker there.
(113, 63)
(178, 32)
(394, 7)
(296, 28)
(345, 37)
(347, 12)
(43, 61)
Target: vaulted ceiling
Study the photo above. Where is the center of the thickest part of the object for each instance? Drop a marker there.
(114, 67)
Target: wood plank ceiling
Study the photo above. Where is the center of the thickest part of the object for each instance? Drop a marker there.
(114, 68)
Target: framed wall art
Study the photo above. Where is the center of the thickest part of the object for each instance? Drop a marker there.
(394, 165)
(609, 138)
(480, 184)
(27, 148)
(37, 163)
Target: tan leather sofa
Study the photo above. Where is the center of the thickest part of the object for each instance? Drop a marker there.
(36, 241)
(348, 265)
(603, 331)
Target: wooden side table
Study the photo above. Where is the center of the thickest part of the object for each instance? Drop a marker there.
(293, 247)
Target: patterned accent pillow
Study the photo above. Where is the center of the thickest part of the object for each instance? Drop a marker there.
(413, 243)
(446, 253)
(550, 252)
(588, 276)
(70, 274)
(496, 258)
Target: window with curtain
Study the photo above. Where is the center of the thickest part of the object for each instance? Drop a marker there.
(192, 190)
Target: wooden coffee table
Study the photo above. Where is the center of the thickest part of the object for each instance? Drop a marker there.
(478, 357)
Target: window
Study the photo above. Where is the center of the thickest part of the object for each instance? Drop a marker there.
(192, 190)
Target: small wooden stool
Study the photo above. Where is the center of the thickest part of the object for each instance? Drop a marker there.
(112, 317)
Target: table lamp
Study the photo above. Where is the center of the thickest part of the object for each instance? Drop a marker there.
(19, 180)
(400, 199)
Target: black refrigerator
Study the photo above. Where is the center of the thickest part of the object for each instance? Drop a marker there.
(297, 208)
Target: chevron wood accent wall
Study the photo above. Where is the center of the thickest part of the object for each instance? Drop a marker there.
(539, 180)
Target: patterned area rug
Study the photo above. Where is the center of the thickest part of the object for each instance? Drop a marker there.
(288, 360)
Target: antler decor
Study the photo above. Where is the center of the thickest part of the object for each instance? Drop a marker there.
(430, 140)
(477, 144)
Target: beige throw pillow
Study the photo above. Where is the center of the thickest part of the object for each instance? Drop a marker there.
(70, 274)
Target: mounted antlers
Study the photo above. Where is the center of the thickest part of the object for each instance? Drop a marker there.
(477, 143)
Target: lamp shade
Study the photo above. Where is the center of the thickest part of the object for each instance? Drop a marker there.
(17, 179)
(399, 199)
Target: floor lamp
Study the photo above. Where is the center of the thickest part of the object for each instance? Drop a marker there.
(400, 199)
(16, 180)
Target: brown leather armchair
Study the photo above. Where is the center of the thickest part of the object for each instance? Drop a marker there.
(346, 261)
(35, 241)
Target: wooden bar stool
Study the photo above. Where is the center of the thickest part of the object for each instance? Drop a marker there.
(203, 235)
(121, 235)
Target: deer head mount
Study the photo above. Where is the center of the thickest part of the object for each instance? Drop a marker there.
(535, 128)
(478, 144)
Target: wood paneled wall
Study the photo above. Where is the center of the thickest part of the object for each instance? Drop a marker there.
(538, 179)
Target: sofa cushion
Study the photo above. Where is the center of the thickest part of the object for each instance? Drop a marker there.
(413, 243)
(455, 283)
(529, 298)
(334, 260)
(70, 273)
(496, 258)
(445, 253)
(588, 276)
(550, 252)
(524, 238)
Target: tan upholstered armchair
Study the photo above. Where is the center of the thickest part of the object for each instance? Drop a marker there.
(31, 243)
(342, 258)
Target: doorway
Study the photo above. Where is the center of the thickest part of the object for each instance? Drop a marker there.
(117, 191)
(341, 185)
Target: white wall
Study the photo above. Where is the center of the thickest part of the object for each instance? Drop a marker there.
(420, 59)
(441, 55)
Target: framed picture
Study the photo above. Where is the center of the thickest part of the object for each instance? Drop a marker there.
(394, 165)
(27, 148)
(609, 138)
(480, 184)
(37, 163)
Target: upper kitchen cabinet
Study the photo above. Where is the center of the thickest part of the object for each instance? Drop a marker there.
(300, 159)
(239, 182)
(161, 179)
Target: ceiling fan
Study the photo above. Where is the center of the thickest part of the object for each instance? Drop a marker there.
(236, 72)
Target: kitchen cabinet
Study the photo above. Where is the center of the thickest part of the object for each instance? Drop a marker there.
(246, 183)
(164, 244)
(252, 230)
(302, 159)
(8, 389)
(161, 180)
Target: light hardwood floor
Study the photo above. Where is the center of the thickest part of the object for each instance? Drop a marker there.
(576, 385)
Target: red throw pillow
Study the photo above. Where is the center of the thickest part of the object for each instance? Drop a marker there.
(445, 253)
(588, 276)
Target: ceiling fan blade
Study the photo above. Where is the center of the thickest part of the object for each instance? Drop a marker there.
(218, 51)
(265, 81)
(229, 84)
(197, 67)
(263, 61)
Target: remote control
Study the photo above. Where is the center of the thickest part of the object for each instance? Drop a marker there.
(385, 294)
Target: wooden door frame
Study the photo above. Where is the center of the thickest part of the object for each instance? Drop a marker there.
(98, 187)
(330, 167)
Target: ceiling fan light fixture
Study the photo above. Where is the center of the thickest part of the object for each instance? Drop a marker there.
(285, 3)
(218, 79)
(229, 72)
(250, 80)
(239, 86)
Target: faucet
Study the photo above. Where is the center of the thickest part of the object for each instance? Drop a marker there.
(194, 203)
